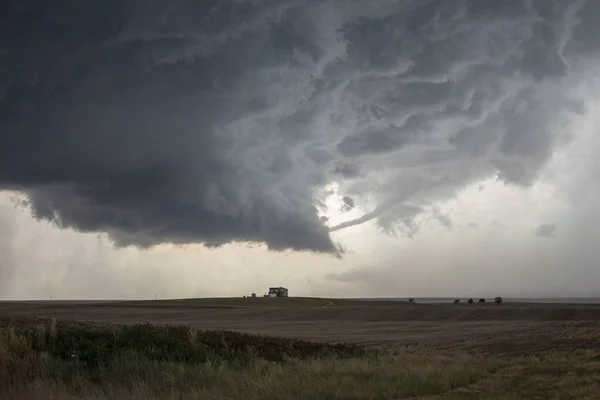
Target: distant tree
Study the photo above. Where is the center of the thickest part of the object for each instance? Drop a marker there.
(456, 301)
(498, 300)
(470, 301)
(482, 300)
(411, 300)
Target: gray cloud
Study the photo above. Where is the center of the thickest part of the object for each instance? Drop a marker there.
(346, 170)
(443, 219)
(218, 121)
(545, 230)
(506, 257)
(347, 203)
(7, 259)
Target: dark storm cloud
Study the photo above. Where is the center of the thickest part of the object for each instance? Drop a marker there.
(217, 121)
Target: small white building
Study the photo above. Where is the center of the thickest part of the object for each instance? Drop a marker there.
(278, 292)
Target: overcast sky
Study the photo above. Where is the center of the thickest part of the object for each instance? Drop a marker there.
(339, 148)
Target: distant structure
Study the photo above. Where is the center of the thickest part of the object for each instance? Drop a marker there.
(253, 295)
(278, 292)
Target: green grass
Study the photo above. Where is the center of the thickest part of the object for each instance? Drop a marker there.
(95, 346)
(153, 362)
(554, 375)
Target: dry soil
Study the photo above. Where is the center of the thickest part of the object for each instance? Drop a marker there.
(507, 329)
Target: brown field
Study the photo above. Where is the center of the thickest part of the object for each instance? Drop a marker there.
(516, 329)
(547, 351)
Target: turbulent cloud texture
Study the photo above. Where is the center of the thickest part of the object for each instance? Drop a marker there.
(220, 121)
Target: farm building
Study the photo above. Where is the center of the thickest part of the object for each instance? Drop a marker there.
(278, 292)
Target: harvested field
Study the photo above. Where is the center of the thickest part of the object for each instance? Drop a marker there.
(478, 328)
(443, 351)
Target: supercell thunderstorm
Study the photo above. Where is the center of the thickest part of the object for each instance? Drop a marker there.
(219, 121)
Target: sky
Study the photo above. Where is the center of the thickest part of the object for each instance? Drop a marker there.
(343, 148)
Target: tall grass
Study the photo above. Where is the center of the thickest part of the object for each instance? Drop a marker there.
(146, 362)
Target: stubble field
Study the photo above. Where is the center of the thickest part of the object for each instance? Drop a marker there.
(453, 351)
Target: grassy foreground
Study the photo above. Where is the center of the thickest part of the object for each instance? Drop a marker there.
(151, 362)
(154, 362)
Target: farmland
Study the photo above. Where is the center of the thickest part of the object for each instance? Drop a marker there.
(396, 349)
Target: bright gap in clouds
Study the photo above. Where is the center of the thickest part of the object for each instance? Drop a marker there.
(494, 246)
(482, 203)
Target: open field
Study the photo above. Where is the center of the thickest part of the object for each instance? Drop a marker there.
(479, 351)
(477, 328)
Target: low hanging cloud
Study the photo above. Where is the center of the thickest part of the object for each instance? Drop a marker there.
(219, 121)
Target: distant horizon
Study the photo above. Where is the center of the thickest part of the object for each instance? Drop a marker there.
(557, 299)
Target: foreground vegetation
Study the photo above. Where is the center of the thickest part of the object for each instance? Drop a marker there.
(153, 362)
(144, 362)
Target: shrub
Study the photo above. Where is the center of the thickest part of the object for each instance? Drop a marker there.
(482, 300)
(456, 301)
(411, 300)
(470, 301)
(498, 300)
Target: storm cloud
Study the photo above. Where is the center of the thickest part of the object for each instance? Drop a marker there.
(219, 121)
